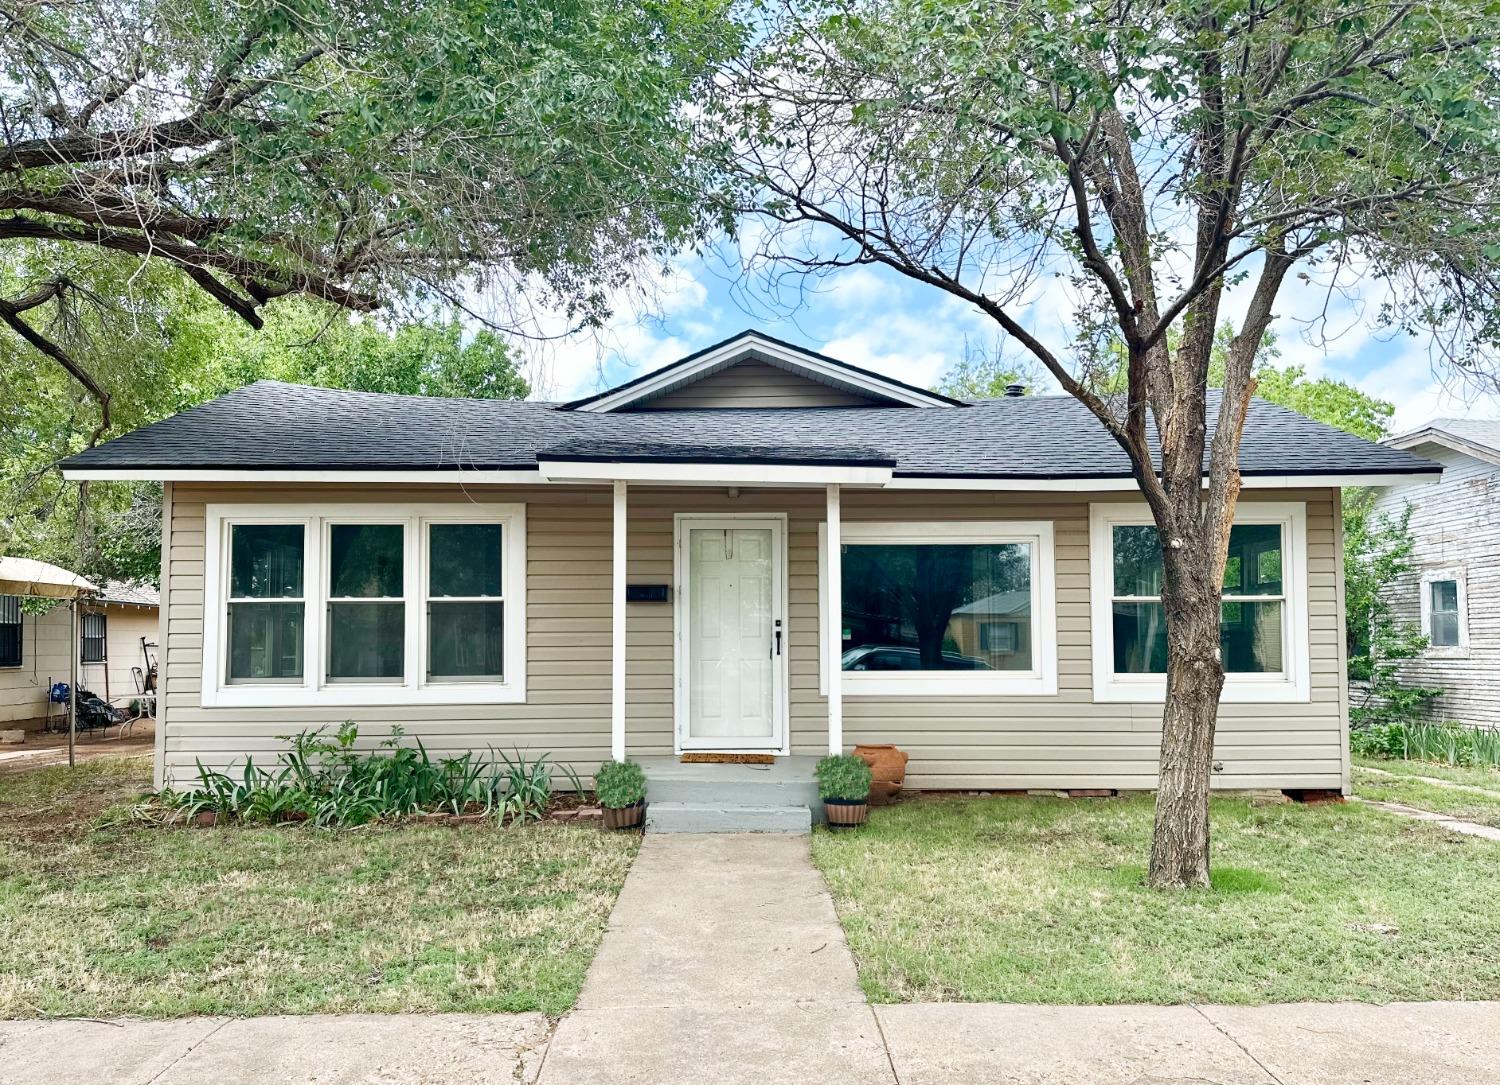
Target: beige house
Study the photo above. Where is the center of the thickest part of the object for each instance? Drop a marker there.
(118, 634)
(754, 549)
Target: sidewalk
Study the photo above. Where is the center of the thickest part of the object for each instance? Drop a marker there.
(724, 962)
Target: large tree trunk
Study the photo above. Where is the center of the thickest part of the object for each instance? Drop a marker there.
(1195, 678)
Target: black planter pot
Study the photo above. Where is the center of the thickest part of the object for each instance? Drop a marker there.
(846, 813)
(625, 817)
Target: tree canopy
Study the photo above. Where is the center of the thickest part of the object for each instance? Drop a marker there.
(360, 154)
(1172, 163)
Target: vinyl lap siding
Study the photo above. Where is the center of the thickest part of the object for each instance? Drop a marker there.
(955, 742)
(754, 384)
(1455, 522)
(44, 660)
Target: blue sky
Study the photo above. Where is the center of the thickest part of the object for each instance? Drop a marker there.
(875, 318)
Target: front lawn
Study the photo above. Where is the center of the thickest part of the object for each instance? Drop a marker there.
(1042, 901)
(102, 916)
(1475, 796)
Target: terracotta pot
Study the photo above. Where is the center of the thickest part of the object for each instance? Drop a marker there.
(846, 813)
(625, 817)
(887, 766)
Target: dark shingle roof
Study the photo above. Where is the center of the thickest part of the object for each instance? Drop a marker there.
(286, 426)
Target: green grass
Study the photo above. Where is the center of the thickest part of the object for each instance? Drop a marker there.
(102, 916)
(1468, 801)
(1043, 901)
(1478, 776)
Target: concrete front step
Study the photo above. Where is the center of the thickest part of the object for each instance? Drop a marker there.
(788, 782)
(718, 817)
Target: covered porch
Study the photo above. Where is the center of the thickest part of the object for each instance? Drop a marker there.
(729, 598)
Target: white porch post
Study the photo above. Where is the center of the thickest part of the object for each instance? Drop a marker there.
(833, 623)
(617, 631)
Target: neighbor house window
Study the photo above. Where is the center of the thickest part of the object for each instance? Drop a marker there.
(365, 604)
(1444, 609)
(947, 607)
(1262, 627)
(265, 608)
(10, 631)
(93, 637)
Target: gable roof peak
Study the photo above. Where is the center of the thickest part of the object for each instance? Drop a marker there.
(753, 345)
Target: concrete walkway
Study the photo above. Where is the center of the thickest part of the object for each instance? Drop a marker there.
(1444, 821)
(725, 963)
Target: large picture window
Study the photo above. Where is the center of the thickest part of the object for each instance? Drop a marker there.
(365, 604)
(10, 631)
(947, 607)
(1262, 629)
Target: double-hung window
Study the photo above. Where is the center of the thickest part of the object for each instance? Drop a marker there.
(1444, 605)
(10, 631)
(365, 604)
(947, 608)
(1263, 620)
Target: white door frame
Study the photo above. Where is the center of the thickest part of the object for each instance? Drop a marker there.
(780, 741)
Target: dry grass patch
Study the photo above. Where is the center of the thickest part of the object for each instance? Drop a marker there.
(106, 916)
(1043, 901)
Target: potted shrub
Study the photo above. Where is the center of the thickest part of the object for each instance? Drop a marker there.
(621, 787)
(844, 784)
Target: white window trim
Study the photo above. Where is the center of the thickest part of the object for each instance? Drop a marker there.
(1041, 681)
(1455, 573)
(314, 690)
(1290, 686)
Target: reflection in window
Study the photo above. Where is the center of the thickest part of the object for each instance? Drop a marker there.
(1251, 631)
(1443, 613)
(265, 602)
(465, 609)
(910, 607)
(366, 601)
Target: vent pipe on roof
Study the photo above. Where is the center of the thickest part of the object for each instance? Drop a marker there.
(1015, 391)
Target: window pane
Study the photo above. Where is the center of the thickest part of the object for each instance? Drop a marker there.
(265, 561)
(1250, 638)
(1444, 629)
(1137, 560)
(465, 640)
(911, 607)
(1445, 595)
(93, 638)
(1140, 638)
(366, 640)
(365, 561)
(1254, 565)
(10, 631)
(464, 559)
(265, 641)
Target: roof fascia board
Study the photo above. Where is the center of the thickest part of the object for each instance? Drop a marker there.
(720, 474)
(1443, 439)
(747, 346)
(278, 474)
(714, 474)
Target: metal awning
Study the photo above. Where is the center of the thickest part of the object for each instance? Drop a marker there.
(37, 579)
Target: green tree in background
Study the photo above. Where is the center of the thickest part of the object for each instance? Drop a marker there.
(363, 154)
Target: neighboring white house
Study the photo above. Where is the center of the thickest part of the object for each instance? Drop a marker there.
(756, 549)
(1454, 587)
(117, 635)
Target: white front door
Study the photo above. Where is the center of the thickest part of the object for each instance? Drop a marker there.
(731, 636)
